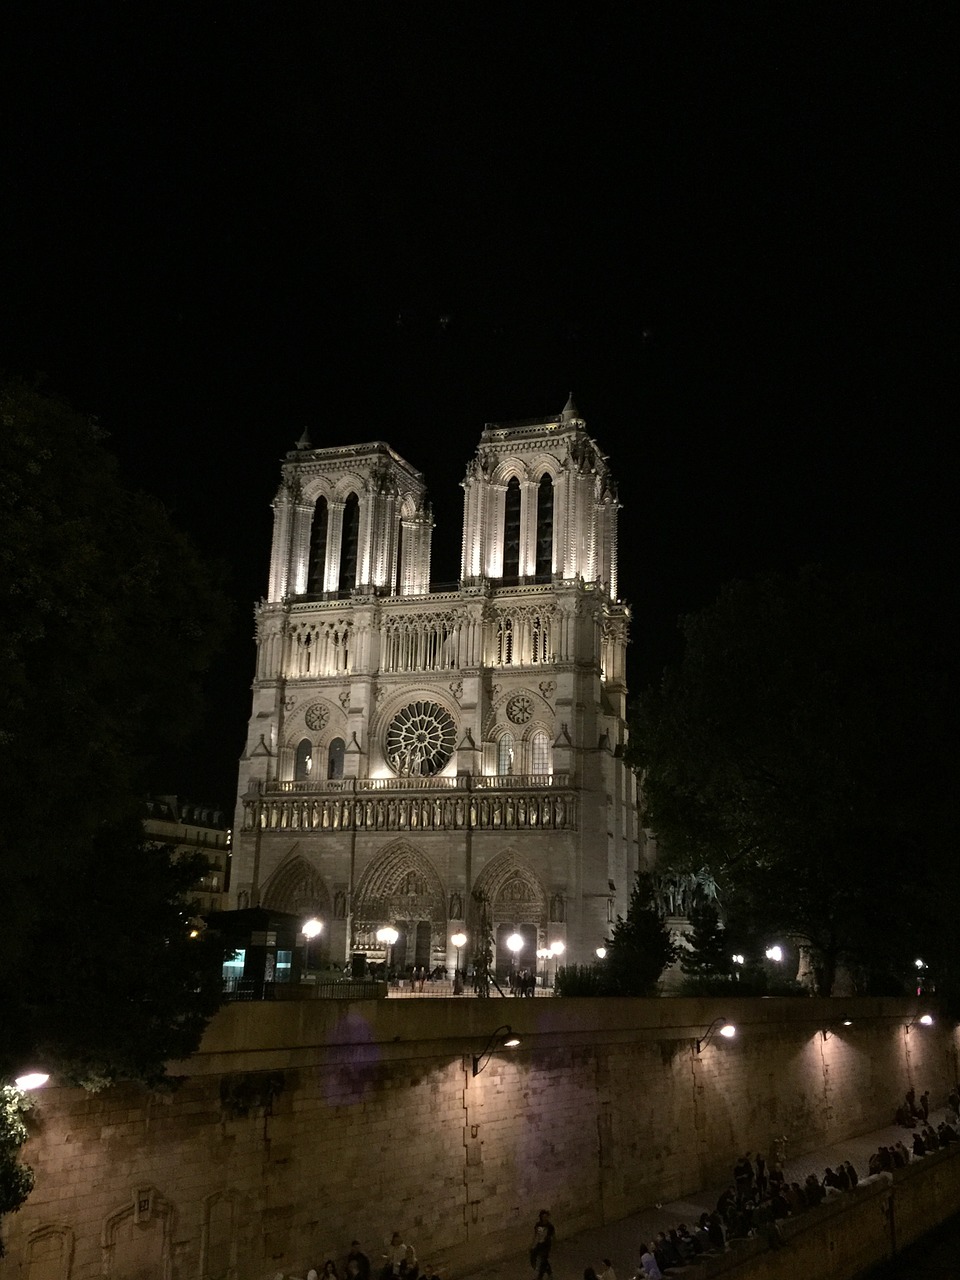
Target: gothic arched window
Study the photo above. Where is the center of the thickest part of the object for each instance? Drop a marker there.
(318, 547)
(505, 755)
(544, 562)
(349, 544)
(511, 531)
(335, 758)
(399, 576)
(539, 640)
(505, 642)
(303, 763)
(540, 761)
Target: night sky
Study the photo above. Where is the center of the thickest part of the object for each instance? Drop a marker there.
(731, 232)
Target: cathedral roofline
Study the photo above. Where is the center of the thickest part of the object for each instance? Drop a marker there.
(568, 417)
(371, 448)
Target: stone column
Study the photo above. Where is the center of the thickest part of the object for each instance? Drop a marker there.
(280, 551)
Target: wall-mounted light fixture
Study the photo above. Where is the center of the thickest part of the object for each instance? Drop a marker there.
(827, 1032)
(31, 1080)
(502, 1038)
(722, 1028)
(922, 1020)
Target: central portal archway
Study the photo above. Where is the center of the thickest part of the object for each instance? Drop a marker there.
(402, 888)
(518, 904)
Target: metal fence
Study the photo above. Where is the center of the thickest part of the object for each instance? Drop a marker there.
(364, 989)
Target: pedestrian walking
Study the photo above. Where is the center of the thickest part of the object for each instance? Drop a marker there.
(543, 1233)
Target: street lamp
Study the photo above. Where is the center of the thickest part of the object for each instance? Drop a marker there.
(459, 940)
(31, 1080)
(388, 936)
(737, 961)
(556, 950)
(310, 929)
(515, 943)
(774, 953)
(601, 953)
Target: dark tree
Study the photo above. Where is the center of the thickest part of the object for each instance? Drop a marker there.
(109, 620)
(482, 945)
(16, 1179)
(640, 948)
(707, 954)
(803, 749)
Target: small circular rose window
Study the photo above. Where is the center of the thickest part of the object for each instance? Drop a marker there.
(520, 708)
(316, 716)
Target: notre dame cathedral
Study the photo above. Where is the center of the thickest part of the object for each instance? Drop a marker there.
(414, 755)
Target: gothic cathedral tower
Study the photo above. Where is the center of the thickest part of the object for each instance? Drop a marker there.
(417, 756)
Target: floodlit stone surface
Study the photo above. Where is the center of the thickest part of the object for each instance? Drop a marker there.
(301, 1126)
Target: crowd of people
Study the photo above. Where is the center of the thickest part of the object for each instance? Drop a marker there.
(399, 1262)
(760, 1196)
(913, 1114)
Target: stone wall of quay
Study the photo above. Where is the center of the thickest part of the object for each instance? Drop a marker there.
(299, 1126)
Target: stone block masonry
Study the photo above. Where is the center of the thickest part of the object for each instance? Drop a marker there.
(301, 1126)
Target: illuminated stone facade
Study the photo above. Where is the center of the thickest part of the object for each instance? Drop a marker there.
(411, 749)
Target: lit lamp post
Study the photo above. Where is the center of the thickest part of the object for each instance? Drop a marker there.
(31, 1080)
(388, 937)
(556, 950)
(601, 953)
(737, 962)
(459, 940)
(774, 953)
(515, 943)
(311, 928)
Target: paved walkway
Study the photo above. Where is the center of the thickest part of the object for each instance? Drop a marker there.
(621, 1242)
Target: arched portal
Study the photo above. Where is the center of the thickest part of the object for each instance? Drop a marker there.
(298, 888)
(518, 904)
(401, 888)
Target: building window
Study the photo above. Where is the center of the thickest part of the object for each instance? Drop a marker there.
(544, 562)
(539, 640)
(511, 532)
(540, 761)
(335, 758)
(349, 544)
(318, 547)
(304, 761)
(505, 755)
(399, 576)
(505, 642)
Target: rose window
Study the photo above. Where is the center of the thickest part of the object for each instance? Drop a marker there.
(420, 739)
(316, 716)
(520, 708)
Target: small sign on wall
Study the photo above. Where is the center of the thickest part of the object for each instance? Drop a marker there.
(143, 1205)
